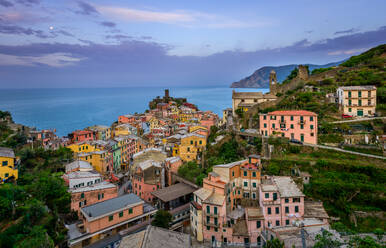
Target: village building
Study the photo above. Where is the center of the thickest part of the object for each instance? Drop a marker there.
(298, 125)
(82, 178)
(246, 100)
(149, 177)
(88, 195)
(357, 100)
(126, 119)
(102, 161)
(101, 132)
(81, 135)
(191, 146)
(105, 219)
(156, 237)
(8, 165)
(125, 129)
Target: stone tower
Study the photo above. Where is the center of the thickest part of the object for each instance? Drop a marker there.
(303, 72)
(272, 82)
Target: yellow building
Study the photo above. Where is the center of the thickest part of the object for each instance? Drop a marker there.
(191, 145)
(8, 164)
(154, 123)
(357, 100)
(100, 160)
(82, 147)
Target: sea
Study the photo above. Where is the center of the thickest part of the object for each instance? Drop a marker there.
(69, 109)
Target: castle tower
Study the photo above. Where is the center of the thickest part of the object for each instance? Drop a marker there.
(272, 82)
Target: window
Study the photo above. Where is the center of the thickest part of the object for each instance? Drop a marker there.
(265, 125)
(278, 223)
(111, 217)
(369, 102)
(254, 174)
(312, 127)
(99, 196)
(245, 184)
(286, 210)
(286, 200)
(258, 224)
(296, 209)
(5, 163)
(296, 200)
(287, 222)
(359, 102)
(207, 219)
(215, 210)
(274, 196)
(292, 126)
(359, 93)
(269, 210)
(216, 229)
(266, 195)
(130, 210)
(191, 142)
(82, 195)
(292, 118)
(277, 211)
(238, 192)
(301, 126)
(349, 94)
(215, 221)
(253, 195)
(208, 209)
(349, 109)
(245, 173)
(254, 185)
(273, 125)
(233, 174)
(208, 228)
(188, 149)
(349, 102)
(200, 142)
(264, 117)
(311, 118)
(120, 214)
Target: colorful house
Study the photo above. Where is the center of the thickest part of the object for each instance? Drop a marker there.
(191, 145)
(293, 124)
(101, 160)
(357, 100)
(81, 135)
(126, 119)
(148, 177)
(8, 164)
(100, 132)
(125, 129)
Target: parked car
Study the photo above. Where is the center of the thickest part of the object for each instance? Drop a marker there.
(295, 141)
(346, 116)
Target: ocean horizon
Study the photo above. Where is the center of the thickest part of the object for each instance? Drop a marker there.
(68, 109)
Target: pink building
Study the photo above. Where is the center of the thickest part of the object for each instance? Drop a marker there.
(293, 124)
(85, 196)
(126, 119)
(147, 179)
(81, 135)
(281, 201)
(172, 165)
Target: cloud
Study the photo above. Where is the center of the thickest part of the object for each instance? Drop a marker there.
(52, 60)
(348, 31)
(86, 9)
(109, 24)
(119, 37)
(6, 3)
(146, 37)
(132, 62)
(184, 18)
(18, 30)
(28, 3)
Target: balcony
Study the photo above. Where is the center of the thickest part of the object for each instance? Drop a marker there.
(271, 202)
(211, 224)
(210, 214)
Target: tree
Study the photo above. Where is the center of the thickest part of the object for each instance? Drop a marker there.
(366, 242)
(162, 219)
(274, 243)
(325, 240)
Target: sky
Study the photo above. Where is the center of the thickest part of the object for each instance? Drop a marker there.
(125, 43)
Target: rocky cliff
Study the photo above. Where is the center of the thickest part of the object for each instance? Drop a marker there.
(260, 78)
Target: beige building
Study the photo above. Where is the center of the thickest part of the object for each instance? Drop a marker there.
(357, 100)
(245, 100)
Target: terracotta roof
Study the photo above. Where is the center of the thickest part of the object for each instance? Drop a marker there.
(292, 112)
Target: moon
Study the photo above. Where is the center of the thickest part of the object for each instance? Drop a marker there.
(51, 28)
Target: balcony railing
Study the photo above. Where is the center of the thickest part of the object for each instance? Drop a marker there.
(211, 224)
(210, 214)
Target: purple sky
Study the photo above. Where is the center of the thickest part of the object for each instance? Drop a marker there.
(104, 43)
